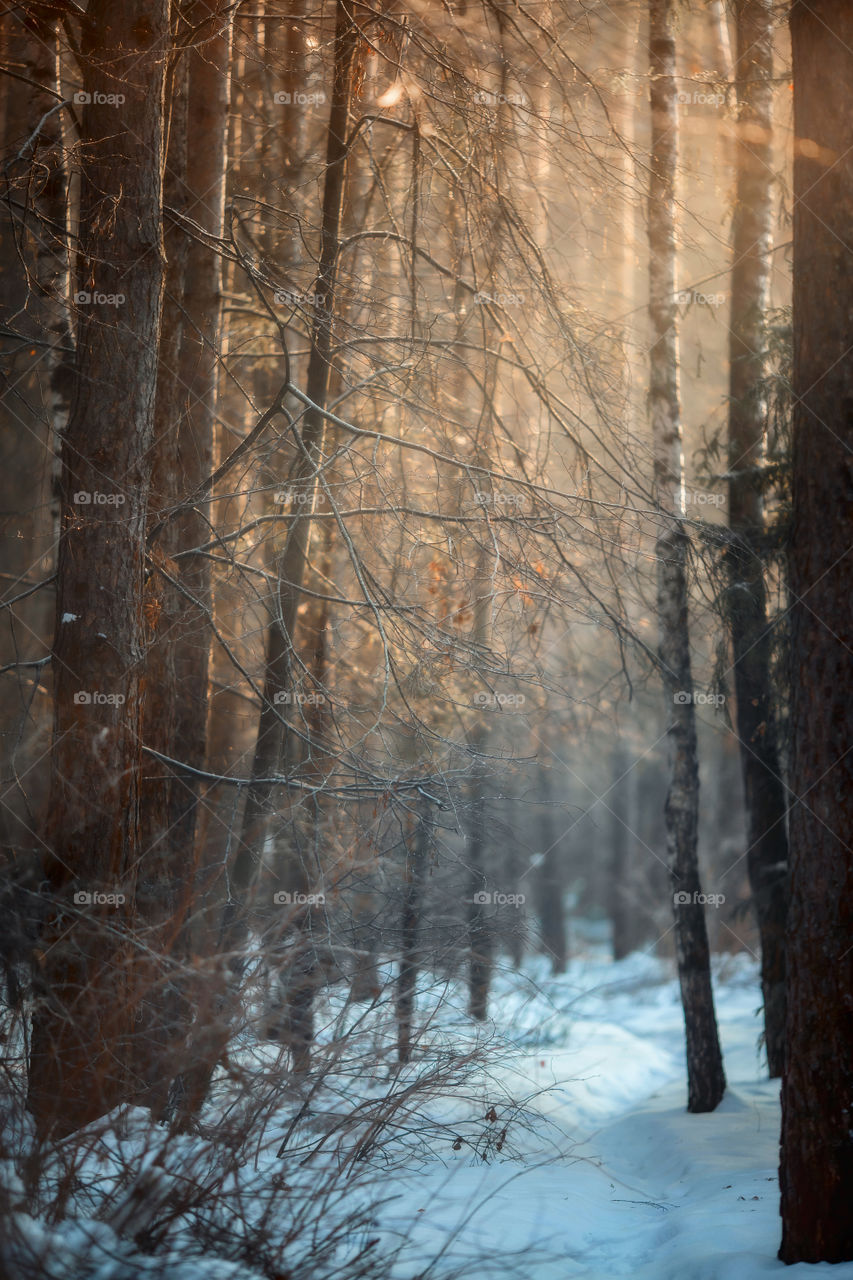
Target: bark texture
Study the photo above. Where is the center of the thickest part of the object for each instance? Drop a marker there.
(705, 1076)
(767, 837)
(178, 602)
(816, 1175)
(36, 349)
(82, 1038)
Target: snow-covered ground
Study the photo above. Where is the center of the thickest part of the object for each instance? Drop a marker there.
(637, 1186)
(562, 1151)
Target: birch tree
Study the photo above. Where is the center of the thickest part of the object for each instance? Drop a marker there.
(705, 1077)
(767, 842)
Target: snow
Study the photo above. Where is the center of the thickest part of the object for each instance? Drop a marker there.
(638, 1186)
(563, 1150)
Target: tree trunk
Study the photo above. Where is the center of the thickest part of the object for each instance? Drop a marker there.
(292, 565)
(36, 349)
(290, 572)
(480, 931)
(179, 595)
(481, 940)
(550, 889)
(413, 892)
(159, 878)
(705, 1077)
(82, 1037)
(763, 787)
(817, 1089)
(621, 891)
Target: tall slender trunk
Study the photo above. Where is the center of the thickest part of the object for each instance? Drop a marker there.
(413, 892)
(481, 940)
(816, 1174)
(290, 572)
(301, 865)
(207, 128)
(550, 888)
(159, 879)
(622, 890)
(705, 1077)
(721, 46)
(179, 602)
(292, 564)
(83, 1032)
(746, 607)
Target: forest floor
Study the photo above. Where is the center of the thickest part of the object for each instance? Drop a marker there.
(635, 1186)
(552, 1144)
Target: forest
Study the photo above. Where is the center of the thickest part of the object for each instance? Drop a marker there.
(426, 745)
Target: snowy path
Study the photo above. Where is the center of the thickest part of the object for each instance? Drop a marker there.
(605, 1175)
(635, 1186)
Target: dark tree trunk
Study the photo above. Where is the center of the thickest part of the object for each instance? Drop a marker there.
(480, 929)
(622, 889)
(179, 596)
(207, 125)
(764, 790)
(550, 892)
(159, 879)
(705, 1077)
(816, 1173)
(82, 1037)
(550, 888)
(413, 890)
(35, 347)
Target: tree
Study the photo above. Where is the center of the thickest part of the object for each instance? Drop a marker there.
(416, 854)
(816, 1173)
(705, 1077)
(82, 1038)
(37, 348)
(764, 789)
(178, 601)
(280, 670)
